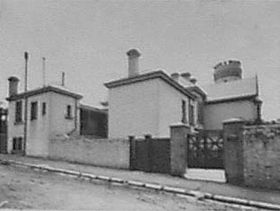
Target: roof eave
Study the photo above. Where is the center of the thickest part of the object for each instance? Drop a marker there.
(149, 76)
(44, 90)
(238, 98)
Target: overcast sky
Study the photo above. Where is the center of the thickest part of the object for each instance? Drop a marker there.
(88, 41)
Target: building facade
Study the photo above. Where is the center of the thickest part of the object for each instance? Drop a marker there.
(148, 103)
(49, 111)
(231, 96)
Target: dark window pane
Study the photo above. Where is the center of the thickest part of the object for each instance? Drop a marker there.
(69, 111)
(184, 120)
(34, 110)
(14, 143)
(44, 108)
(18, 114)
(19, 143)
(191, 117)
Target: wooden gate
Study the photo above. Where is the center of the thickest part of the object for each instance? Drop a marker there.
(206, 149)
(150, 155)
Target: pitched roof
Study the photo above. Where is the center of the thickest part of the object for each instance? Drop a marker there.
(238, 89)
(95, 109)
(50, 88)
(148, 76)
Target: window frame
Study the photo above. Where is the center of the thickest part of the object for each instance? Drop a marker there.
(44, 108)
(184, 111)
(69, 113)
(17, 144)
(18, 112)
(33, 110)
(191, 114)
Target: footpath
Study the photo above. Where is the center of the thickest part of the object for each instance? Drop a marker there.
(209, 187)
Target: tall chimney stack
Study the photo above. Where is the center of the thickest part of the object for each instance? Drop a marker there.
(13, 85)
(133, 64)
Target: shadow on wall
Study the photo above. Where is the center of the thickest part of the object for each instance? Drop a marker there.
(93, 123)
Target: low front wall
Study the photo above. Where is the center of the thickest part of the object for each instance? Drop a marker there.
(99, 152)
(261, 146)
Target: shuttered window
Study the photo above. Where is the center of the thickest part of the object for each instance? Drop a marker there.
(18, 114)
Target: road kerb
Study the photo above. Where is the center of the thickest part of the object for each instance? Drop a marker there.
(175, 190)
(153, 186)
(135, 183)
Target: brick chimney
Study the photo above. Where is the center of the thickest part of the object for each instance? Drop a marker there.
(133, 64)
(13, 85)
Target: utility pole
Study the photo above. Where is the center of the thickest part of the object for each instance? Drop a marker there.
(44, 71)
(63, 79)
(25, 103)
(25, 75)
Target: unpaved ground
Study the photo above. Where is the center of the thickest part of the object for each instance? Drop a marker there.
(27, 189)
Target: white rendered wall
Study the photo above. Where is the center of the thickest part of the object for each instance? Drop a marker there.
(14, 130)
(170, 108)
(215, 114)
(37, 130)
(40, 130)
(148, 107)
(59, 124)
(133, 109)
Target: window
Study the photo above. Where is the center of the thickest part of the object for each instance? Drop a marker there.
(18, 114)
(200, 112)
(184, 119)
(34, 110)
(17, 143)
(191, 115)
(68, 112)
(44, 108)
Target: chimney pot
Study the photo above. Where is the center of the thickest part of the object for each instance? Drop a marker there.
(133, 53)
(13, 85)
(133, 62)
(186, 75)
(193, 80)
(175, 76)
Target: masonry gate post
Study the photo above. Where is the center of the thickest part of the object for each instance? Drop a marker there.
(149, 149)
(132, 153)
(178, 148)
(233, 150)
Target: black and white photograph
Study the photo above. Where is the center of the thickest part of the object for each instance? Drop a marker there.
(138, 105)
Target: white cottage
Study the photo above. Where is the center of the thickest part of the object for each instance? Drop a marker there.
(148, 103)
(231, 96)
(50, 111)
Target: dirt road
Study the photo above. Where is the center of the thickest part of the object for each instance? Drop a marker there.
(27, 189)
